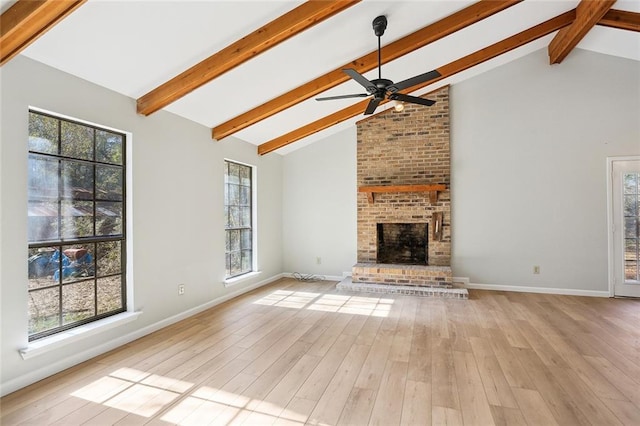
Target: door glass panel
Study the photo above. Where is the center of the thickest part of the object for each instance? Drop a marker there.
(630, 204)
(631, 182)
(631, 271)
(630, 226)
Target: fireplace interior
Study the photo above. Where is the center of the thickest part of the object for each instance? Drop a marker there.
(403, 243)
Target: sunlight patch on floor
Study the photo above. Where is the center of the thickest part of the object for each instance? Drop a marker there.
(142, 400)
(102, 389)
(345, 304)
(200, 407)
(167, 383)
(146, 394)
(288, 299)
(183, 410)
(358, 305)
(130, 374)
(134, 391)
(221, 396)
(207, 405)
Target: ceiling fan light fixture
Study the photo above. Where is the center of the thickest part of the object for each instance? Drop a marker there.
(398, 106)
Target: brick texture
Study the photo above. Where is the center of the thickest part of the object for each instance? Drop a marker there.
(407, 275)
(404, 148)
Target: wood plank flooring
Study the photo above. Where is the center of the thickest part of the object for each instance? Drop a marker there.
(295, 353)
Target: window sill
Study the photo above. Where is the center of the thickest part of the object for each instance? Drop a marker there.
(236, 280)
(64, 338)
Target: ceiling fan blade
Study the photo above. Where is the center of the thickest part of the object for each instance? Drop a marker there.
(413, 81)
(362, 80)
(373, 104)
(329, 98)
(411, 99)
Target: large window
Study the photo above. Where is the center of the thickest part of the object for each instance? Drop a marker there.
(238, 183)
(76, 225)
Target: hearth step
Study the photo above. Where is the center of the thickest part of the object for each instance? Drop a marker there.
(400, 282)
(402, 275)
(452, 293)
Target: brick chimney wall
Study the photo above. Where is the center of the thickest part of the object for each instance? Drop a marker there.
(401, 148)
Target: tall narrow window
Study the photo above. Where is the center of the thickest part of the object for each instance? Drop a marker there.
(238, 183)
(76, 224)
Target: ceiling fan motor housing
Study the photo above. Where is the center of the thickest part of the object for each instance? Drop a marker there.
(382, 83)
(379, 25)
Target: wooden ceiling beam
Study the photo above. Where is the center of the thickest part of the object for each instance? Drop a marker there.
(621, 19)
(26, 20)
(588, 13)
(440, 29)
(448, 70)
(275, 32)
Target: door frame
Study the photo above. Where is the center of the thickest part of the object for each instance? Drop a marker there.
(611, 260)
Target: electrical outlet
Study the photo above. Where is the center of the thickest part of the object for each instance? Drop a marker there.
(180, 289)
(536, 269)
(318, 260)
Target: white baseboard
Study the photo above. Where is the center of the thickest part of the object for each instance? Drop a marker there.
(323, 277)
(56, 367)
(523, 289)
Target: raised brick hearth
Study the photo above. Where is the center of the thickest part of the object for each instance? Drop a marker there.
(408, 275)
(399, 149)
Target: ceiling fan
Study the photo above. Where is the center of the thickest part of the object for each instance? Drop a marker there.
(382, 88)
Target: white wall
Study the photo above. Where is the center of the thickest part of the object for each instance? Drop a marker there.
(319, 206)
(177, 210)
(529, 145)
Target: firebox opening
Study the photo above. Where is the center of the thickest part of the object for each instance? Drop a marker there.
(403, 243)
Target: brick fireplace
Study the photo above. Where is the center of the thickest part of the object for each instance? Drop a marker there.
(403, 176)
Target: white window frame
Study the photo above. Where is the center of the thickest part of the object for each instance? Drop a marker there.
(254, 227)
(64, 338)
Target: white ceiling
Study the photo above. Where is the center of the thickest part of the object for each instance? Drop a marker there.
(131, 47)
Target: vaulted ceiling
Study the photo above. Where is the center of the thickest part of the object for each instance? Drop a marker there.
(251, 69)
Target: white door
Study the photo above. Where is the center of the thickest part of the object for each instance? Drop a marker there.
(625, 210)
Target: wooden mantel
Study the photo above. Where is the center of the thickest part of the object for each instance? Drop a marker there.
(433, 190)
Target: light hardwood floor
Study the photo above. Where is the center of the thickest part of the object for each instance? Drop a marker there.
(293, 353)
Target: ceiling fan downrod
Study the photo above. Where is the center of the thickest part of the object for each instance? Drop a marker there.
(379, 26)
